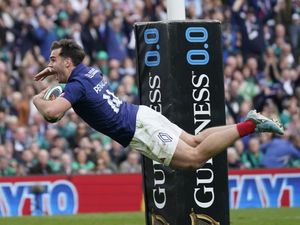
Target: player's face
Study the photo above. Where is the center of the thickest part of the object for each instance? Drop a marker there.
(58, 63)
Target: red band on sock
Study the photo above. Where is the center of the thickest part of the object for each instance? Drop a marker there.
(246, 127)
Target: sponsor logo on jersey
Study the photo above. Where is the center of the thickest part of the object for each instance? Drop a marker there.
(92, 72)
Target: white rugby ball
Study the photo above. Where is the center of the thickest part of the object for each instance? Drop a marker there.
(51, 94)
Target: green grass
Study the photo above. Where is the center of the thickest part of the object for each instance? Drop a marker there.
(289, 216)
(81, 219)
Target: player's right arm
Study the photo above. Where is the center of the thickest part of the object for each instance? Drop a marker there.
(51, 109)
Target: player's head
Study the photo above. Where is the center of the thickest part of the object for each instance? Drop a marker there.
(69, 49)
(66, 54)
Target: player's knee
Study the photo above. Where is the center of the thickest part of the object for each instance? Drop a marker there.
(197, 161)
(197, 140)
(193, 141)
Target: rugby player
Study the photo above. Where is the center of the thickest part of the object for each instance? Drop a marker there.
(139, 126)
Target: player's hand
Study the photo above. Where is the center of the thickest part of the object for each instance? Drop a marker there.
(48, 71)
(41, 94)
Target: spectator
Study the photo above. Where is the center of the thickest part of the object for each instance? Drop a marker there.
(2, 150)
(66, 165)
(113, 79)
(82, 165)
(131, 164)
(20, 142)
(2, 125)
(79, 5)
(42, 166)
(91, 37)
(62, 28)
(278, 153)
(131, 89)
(117, 153)
(233, 159)
(55, 159)
(293, 127)
(66, 128)
(50, 136)
(45, 35)
(251, 27)
(104, 155)
(253, 157)
(27, 161)
(60, 143)
(102, 168)
(81, 131)
(286, 14)
(249, 87)
(102, 62)
(5, 168)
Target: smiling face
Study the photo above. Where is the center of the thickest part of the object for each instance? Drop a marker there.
(66, 54)
(61, 65)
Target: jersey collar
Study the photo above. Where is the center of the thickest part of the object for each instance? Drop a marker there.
(76, 70)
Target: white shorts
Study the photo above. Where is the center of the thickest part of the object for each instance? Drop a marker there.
(155, 136)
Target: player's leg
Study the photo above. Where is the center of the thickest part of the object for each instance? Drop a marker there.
(186, 156)
(194, 140)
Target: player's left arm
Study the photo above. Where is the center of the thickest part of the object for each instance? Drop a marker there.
(51, 109)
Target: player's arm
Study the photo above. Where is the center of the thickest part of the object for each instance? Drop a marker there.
(51, 109)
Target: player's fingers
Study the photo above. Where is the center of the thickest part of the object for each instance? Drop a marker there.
(44, 73)
(41, 75)
(38, 77)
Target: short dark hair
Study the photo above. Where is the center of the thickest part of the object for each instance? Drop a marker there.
(69, 49)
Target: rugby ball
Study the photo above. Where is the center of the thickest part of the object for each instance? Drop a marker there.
(54, 92)
(51, 94)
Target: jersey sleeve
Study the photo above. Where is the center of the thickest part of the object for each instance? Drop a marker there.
(74, 92)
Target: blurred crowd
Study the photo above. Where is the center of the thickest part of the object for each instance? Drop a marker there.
(261, 54)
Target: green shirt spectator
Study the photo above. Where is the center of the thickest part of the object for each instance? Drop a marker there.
(82, 165)
(253, 157)
(5, 169)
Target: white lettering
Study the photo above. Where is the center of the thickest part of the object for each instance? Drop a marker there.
(91, 73)
(98, 88)
(202, 113)
(155, 93)
(205, 190)
(161, 191)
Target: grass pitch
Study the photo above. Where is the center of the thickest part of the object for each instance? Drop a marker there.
(289, 216)
(280, 216)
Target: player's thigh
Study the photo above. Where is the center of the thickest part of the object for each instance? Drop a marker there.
(184, 156)
(189, 139)
(155, 136)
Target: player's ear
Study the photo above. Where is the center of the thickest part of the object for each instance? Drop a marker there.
(68, 62)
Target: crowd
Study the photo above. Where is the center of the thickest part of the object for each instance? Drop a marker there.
(261, 49)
